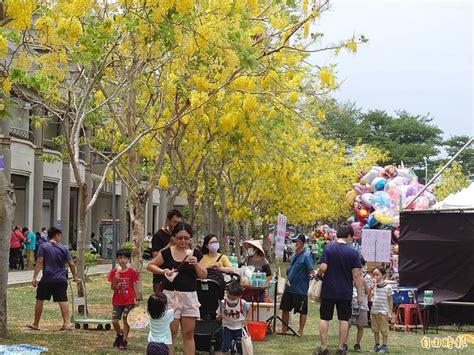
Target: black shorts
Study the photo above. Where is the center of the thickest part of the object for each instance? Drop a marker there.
(117, 311)
(290, 301)
(56, 289)
(326, 309)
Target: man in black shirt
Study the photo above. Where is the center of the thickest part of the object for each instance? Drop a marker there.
(161, 239)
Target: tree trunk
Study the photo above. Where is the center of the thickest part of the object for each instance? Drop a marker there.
(224, 217)
(207, 215)
(137, 218)
(81, 237)
(254, 229)
(244, 228)
(266, 243)
(172, 194)
(7, 210)
(237, 240)
(81, 247)
(192, 209)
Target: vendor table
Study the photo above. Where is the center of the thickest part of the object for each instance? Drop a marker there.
(426, 316)
(254, 294)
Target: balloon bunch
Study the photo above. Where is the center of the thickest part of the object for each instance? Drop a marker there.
(324, 232)
(378, 195)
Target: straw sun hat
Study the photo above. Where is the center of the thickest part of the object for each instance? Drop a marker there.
(253, 243)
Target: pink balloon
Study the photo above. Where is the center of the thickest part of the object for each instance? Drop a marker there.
(357, 227)
(422, 203)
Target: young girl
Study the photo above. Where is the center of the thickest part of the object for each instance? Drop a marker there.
(362, 317)
(381, 311)
(159, 337)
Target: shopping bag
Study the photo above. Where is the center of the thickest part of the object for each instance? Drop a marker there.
(314, 291)
(247, 347)
(281, 283)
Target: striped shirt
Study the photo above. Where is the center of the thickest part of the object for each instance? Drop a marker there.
(380, 302)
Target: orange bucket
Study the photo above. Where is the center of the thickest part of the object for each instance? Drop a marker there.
(257, 330)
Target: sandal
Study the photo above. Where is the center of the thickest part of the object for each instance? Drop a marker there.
(31, 326)
(66, 328)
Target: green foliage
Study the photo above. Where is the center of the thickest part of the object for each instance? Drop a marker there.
(50, 158)
(452, 180)
(404, 137)
(90, 258)
(466, 158)
(127, 245)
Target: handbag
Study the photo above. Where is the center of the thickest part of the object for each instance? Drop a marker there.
(247, 347)
(314, 291)
(281, 283)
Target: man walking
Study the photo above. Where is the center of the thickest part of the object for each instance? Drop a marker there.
(340, 264)
(52, 257)
(161, 239)
(295, 296)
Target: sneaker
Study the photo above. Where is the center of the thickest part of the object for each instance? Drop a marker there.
(118, 340)
(320, 351)
(375, 349)
(383, 349)
(357, 348)
(123, 345)
(341, 351)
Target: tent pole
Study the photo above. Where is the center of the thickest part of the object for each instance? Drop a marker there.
(439, 172)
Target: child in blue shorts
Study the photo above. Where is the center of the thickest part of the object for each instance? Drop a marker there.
(233, 311)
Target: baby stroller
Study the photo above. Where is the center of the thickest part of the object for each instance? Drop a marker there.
(210, 291)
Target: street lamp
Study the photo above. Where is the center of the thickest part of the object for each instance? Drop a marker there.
(426, 169)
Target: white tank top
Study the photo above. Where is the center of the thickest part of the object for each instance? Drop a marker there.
(233, 315)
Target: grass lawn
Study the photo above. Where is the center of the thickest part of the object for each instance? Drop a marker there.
(20, 311)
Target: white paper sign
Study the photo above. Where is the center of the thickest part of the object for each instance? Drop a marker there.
(376, 245)
(280, 236)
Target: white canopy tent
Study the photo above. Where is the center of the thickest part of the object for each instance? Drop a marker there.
(463, 199)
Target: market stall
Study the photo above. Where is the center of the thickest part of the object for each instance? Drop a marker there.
(436, 252)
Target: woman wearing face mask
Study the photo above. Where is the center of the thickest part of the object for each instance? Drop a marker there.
(212, 258)
(256, 257)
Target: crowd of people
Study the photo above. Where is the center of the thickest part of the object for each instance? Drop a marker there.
(25, 243)
(174, 305)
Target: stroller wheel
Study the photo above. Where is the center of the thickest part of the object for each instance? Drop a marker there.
(108, 327)
(85, 326)
(77, 326)
(100, 327)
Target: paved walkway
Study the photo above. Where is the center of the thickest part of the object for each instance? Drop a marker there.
(16, 278)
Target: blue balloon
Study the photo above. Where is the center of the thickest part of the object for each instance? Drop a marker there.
(371, 221)
(380, 199)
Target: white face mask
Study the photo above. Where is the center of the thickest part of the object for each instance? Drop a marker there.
(214, 247)
(250, 251)
(230, 302)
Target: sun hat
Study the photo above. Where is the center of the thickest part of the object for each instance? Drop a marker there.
(253, 243)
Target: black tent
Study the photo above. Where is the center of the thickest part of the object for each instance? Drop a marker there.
(436, 252)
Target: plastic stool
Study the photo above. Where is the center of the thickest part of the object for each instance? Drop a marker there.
(410, 319)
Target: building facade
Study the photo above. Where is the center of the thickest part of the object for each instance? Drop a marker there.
(46, 189)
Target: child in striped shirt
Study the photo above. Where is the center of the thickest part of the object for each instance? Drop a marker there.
(381, 311)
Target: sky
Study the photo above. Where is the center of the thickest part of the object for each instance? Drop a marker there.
(419, 57)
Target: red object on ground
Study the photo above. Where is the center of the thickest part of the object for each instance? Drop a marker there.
(257, 330)
(410, 319)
